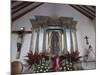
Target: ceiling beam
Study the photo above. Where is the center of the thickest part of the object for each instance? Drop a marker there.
(20, 8)
(92, 8)
(89, 9)
(16, 4)
(13, 2)
(22, 14)
(84, 13)
(85, 10)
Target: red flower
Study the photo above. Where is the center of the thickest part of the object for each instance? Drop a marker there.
(32, 58)
(74, 53)
(30, 55)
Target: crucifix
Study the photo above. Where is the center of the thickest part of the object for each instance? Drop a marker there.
(20, 40)
(16, 65)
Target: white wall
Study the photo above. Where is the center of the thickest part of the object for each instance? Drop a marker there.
(85, 27)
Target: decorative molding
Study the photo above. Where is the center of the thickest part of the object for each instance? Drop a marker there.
(67, 22)
(34, 23)
(54, 21)
(73, 26)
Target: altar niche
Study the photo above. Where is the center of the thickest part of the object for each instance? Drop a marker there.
(58, 44)
(55, 40)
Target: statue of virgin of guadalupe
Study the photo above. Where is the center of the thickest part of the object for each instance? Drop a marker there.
(55, 43)
(55, 50)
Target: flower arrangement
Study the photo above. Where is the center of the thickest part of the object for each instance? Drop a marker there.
(72, 56)
(32, 58)
(68, 59)
(36, 58)
(39, 59)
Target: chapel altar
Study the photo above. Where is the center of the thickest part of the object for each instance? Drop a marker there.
(57, 37)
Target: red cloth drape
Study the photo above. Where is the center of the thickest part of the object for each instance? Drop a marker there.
(56, 63)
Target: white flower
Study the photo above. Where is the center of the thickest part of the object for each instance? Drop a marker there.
(43, 64)
(47, 70)
(68, 68)
(40, 70)
(70, 63)
(44, 71)
(64, 68)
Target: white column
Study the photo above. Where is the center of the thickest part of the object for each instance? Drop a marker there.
(37, 40)
(31, 41)
(75, 39)
(34, 40)
(65, 40)
(41, 39)
(44, 40)
(47, 41)
(71, 40)
(33, 37)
